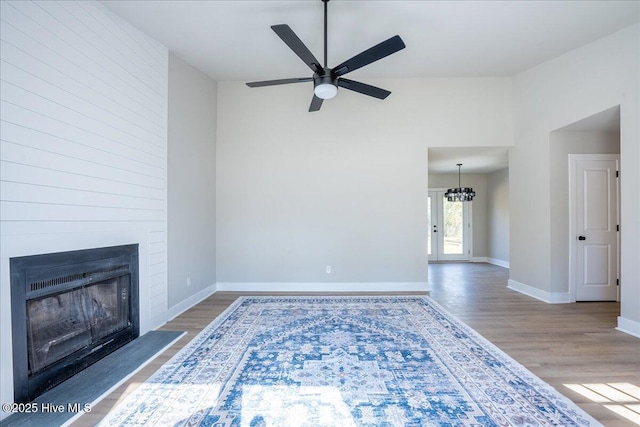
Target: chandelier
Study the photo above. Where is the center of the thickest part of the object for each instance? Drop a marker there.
(460, 194)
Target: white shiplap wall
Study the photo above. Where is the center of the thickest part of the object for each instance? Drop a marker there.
(83, 154)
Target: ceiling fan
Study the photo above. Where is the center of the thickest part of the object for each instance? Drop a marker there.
(326, 80)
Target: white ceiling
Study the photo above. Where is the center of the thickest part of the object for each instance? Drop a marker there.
(474, 160)
(232, 40)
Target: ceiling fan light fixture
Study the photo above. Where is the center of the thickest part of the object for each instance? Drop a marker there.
(325, 87)
(325, 91)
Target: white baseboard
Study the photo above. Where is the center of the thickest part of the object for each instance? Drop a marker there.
(561, 298)
(185, 305)
(628, 326)
(323, 287)
(494, 261)
(498, 262)
(545, 296)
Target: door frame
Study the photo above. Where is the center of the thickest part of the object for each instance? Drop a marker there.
(573, 190)
(467, 232)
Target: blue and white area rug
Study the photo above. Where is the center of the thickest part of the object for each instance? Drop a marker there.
(343, 361)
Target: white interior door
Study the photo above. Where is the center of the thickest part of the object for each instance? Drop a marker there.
(449, 228)
(595, 232)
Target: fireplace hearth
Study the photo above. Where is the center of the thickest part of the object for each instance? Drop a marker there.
(69, 310)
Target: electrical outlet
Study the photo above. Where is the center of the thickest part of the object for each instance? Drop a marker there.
(328, 269)
(188, 280)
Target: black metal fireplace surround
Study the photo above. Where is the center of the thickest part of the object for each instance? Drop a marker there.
(69, 310)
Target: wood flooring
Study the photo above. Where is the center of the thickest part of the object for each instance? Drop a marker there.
(563, 344)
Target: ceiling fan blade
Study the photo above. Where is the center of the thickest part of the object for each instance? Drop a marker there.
(316, 103)
(370, 55)
(295, 44)
(279, 82)
(363, 88)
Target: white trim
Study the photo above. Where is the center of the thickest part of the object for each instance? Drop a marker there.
(468, 216)
(498, 262)
(628, 326)
(539, 294)
(323, 286)
(123, 380)
(561, 298)
(489, 260)
(186, 304)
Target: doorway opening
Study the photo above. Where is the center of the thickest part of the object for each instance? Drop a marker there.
(585, 252)
(485, 236)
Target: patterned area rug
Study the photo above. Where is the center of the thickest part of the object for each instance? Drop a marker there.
(343, 361)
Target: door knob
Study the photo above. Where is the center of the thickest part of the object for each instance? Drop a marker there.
(582, 238)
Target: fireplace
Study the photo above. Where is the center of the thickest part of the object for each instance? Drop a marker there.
(69, 310)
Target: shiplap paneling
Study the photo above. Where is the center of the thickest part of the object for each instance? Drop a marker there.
(158, 302)
(83, 144)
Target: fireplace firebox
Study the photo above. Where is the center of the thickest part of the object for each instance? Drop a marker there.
(69, 310)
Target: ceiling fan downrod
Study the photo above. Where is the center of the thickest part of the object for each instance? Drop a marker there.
(325, 85)
(325, 32)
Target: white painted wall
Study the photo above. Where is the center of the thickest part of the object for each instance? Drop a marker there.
(631, 316)
(479, 206)
(561, 145)
(83, 155)
(498, 217)
(346, 186)
(574, 86)
(191, 186)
